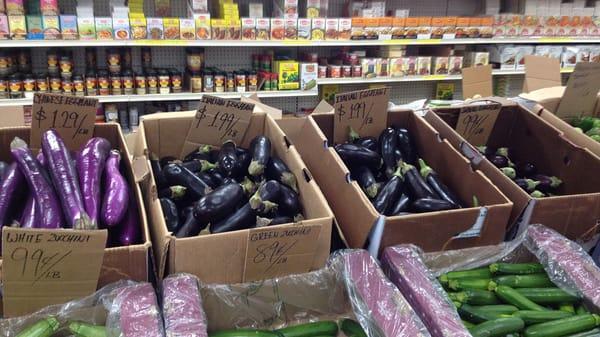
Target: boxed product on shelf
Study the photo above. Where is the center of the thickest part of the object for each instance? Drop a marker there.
(86, 27)
(104, 28)
(424, 65)
(383, 65)
(68, 27)
(474, 28)
(187, 29)
(357, 217)
(248, 29)
(308, 76)
(437, 27)
(331, 28)
(139, 29)
(291, 29)
(49, 7)
(410, 65)
(263, 29)
(456, 65)
(344, 28)
(415, 273)
(396, 67)
(155, 28)
(487, 27)
(121, 28)
(397, 28)
(288, 74)
(440, 65)
(290, 9)
(35, 30)
(522, 51)
(51, 25)
(508, 57)
(15, 7)
(171, 28)
(277, 29)
(372, 28)
(206, 255)
(203, 30)
(572, 196)
(233, 30)
(18, 27)
(358, 29)
(351, 289)
(384, 28)
(255, 10)
(584, 53)
(318, 29)
(477, 58)
(369, 67)
(4, 30)
(462, 27)
(569, 56)
(549, 51)
(304, 29)
(424, 30)
(313, 9)
(411, 26)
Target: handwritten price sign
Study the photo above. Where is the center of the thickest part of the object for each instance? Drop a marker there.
(37, 264)
(364, 111)
(280, 251)
(581, 93)
(73, 118)
(476, 122)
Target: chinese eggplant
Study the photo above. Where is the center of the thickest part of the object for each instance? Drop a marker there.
(13, 181)
(424, 205)
(417, 187)
(260, 147)
(91, 162)
(29, 217)
(116, 192)
(159, 178)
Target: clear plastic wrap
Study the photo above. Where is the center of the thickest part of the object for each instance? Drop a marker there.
(566, 263)
(351, 286)
(134, 312)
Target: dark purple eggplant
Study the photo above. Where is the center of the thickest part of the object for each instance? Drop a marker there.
(130, 231)
(176, 174)
(159, 178)
(243, 218)
(3, 167)
(45, 197)
(416, 185)
(190, 226)
(264, 200)
(398, 155)
(355, 155)
(498, 160)
(91, 161)
(289, 202)
(528, 185)
(548, 184)
(509, 172)
(277, 220)
(436, 184)
(170, 214)
(368, 142)
(164, 161)
(407, 146)
(227, 160)
(29, 216)
(216, 205)
(116, 192)
(244, 159)
(260, 147)
(278, 170)
(388, 143)
(401, 205)
(366, 180)
(198, 165)
(389, 193)
(213, 155)
(229, 180)
(202, 153)
(486, 150)
(425, 205)
(537, 194)
(12, 183)
(174, 192)
(525, 170)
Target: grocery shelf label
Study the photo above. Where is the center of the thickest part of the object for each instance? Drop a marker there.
(476, 122)
(41, 267)
(285, 250)
(71, 116)
(363, 111)
(581, 93)
(218, 120)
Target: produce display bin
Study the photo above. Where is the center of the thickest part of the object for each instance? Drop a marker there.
(415, 273)
(222, 257)
(575, 211)
(433, 231)
(352, 285)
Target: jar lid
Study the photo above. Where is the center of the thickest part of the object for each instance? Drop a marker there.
(127, 72)
(102, 73)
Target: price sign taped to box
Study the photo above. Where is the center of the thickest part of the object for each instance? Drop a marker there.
(43, 267)
(218, 120)
(476, 122)
(73, 117)
(280, 251)
(363, 111)
(581, 94)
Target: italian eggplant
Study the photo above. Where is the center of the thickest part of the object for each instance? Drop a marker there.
(389, 193)
(366, 179)
(417, 187)
(208, 178)
(244, 159)
(388, 142)
(91, 161)
(116, 192)
(215, 206)
(190, 226)
(264, 200)
(202, 153)
(436, 184)
(227, 160)
(400, 206)
(13, 181)
(45, 198)
(288, 201)
(217, 177)
(179, 175)
(354, 155)
(368, 142)
(260, 147)
(407, 146)
(277, 220)
(198, 165)
(278, 170)
(170, 214)
(243, 218)
(424, 205)
(174, 192)
(164, 161)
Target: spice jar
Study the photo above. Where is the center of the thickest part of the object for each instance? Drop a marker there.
(266, 78)
(357, 70)
(3, 87)
(334, 71)
(176, 81)
(78, 85)
(113, 60)
(91, 83)
(15, 85)
(127, 80)
(116, 84)
(265, 63)
(152, 81)
(41, 83)
(230, 82)
(194, 58)
(52, 59)
(346, 71)
(24, 61)
(67, 86)
(322, 72)
(208, 81)
(252, 81)
(220, 82)
(66, 66)
(55, 84)
(146, 57)
(140, 83)
(196, 82)
(90, 58)
(274, 81)
(28, 85)
(240, 81)
(164, 82)
(5, 63)
(103, 83)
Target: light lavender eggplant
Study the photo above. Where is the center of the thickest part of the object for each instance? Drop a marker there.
(12, 182)
(116, 192)
(29, 216)
(62, 171)
(46, 200)
(91, 161)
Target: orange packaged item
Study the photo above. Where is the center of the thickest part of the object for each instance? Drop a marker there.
(411, 28)
(398, 28)
(437, 27)
(424, 30)
(474, 30)
(15, 7)
(462, 27)
(248, 29)
(371, 25)
(449, 27)
(487, 27)
(171, 28)
(331, 29)
(530, 23)
(277, 29)
(202, 22)
(358, 29)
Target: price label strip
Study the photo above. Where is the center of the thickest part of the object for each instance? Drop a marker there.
(476, 122)
(72, 117)
(43, 267)
(364, 111)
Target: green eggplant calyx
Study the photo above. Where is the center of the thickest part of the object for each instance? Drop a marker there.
(298, 217)
(255, 201)
(509, 172)
(405, 167)
(248, 186)
(555, 182)
(537, 194)
(177, 191)
(256, 168)
(503, 151)
(205, 165)
(475, 201)
(205, 149)
(262, 222)
(289, 179)
(482, 149)
(372, 190)
(531, 184)
(510, 163)
(353, 135)
(425, 169)
(84, 223)
(459, 297)
(269, 206)
(399, 173)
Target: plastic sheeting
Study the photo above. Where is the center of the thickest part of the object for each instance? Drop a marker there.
(351, 286)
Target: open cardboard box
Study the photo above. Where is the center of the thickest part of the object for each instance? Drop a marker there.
(361, 223)
(575, 212)
(131, 262)
(223, 257)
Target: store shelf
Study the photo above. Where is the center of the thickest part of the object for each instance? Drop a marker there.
(285, 43)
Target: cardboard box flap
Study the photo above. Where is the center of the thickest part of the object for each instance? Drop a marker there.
(12, 116)
(541, 72)
(261, 107)
(323, 107)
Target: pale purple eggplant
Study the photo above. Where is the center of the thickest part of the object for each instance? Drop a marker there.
(91, 161)
(64, 176)
(116, 192)
(29, 216)
(12, 182)
(129, 229)
(46, 200)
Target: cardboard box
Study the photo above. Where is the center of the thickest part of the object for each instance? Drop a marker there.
(357, 217)
(222, 257)
(575, 212)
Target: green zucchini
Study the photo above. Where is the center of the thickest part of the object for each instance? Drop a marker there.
(244, 333)
(567, 307)
(498, 327)
(516, 268)
(524, 281)
(581, 310)
(474, 296)
(590, 333)
(81, 329)
(513, 297)
(547, 295)
(323, 328)
(472, 314)
(42, 328)
(462, 284)
(352, 328)
(472, 273)
(534, 317)
(498, 308)
(563, 327)
(468, 324)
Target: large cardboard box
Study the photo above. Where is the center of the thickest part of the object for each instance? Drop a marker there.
(119, 263)
(360, 223)
(223, 257)
(575, 212)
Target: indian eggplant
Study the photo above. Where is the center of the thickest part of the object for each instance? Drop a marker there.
(388, 142)
(498, 160)
(227, 160)
(179, 175)
(170, 213)
(355, 155)
(389, 193)
(278, 170)
(424, 205)
(366, 179)
(546, 184)
(243, 218)
(436, 184)
(417, 187)
(217, 204)
(260, 147)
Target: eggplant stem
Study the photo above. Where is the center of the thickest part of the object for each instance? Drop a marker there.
(372, 190)
(262, 222)
(555, 182)
(177, 191)
(503, 151)
(353, 135)
(84, 223)
(255, 201)
(256, 168)
(269, 206)
(248, 186)
(298, 217)
(475, 201)
(425, 169)
(18, 143)
(289, 179)
(205, 165)
(205, 148)
(405, 167)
